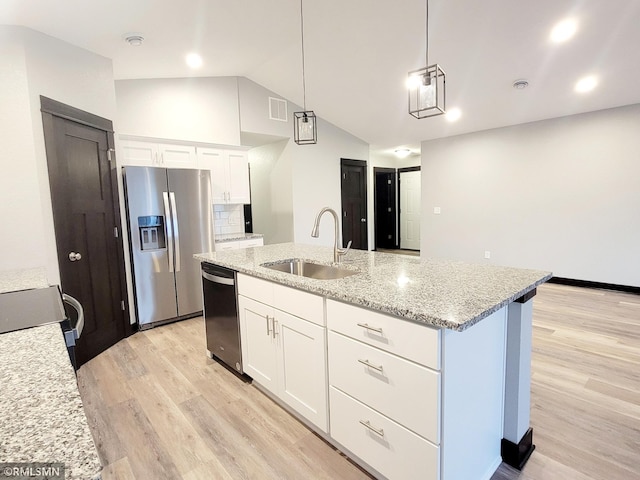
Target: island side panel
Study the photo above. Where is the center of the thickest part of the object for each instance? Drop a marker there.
(517, 445)
(473, 366)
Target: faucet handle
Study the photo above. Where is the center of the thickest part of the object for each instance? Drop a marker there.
(343, 251)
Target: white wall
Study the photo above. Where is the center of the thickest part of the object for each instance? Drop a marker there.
(272, 192)
(316, 180)
(65, 73)
(560, 195)
(382, 161)
(22, 243)
(188, 109)
(253, 100)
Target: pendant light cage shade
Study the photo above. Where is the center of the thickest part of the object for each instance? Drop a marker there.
(305, 128)
(427, 94)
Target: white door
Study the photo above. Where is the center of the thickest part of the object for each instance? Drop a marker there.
(177, 156)
(238, 177)
(259, 357)
(303, 382)
(140, 154)
(410, 195)
(214, 159)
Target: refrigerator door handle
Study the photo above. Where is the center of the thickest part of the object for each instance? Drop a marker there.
(176, 233)
(167, 214)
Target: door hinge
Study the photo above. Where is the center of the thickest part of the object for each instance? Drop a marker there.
(388, 182)
(115, 232)
(345, 213)
(109, 152)
(122, 305)
(344, 176)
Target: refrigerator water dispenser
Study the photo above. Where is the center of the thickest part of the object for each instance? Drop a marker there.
(151, 228)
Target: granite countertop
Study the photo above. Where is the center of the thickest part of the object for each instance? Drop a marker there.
(13, 280)
(440, 293)
(41, 411)
(235, 237)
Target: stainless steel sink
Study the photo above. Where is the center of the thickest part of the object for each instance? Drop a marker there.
(310, 270)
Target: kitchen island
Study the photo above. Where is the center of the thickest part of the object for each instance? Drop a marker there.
(41, 411)
(415, 368)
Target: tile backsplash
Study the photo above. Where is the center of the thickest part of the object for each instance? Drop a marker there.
(228, 219)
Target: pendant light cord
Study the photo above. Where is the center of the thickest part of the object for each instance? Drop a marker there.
(426, 31)
(304, 88)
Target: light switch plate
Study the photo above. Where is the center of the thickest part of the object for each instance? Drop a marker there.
(436, 210)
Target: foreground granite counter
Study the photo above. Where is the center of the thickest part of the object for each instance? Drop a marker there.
(448, 294)
(41, 412)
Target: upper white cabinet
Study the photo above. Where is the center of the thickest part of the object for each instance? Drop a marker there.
(150, 154)
(229, 174)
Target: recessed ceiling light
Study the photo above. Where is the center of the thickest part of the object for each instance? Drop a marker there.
(134, 39)
(520, 84)
(563, 30)
(586, 84)
(453, 114)
(402, 152)
(194, 60)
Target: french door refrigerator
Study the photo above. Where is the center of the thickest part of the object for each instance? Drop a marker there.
(170, 219)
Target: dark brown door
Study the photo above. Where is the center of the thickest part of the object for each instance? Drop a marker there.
(86, 217)
(385, 207)
(354, 203)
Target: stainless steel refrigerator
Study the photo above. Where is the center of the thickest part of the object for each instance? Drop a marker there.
(170, 219)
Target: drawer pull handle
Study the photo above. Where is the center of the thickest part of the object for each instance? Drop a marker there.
(377, 431)
(368, 327)
(370, 365)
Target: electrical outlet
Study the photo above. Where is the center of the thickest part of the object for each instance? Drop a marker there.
(436, 210)
(487, 254)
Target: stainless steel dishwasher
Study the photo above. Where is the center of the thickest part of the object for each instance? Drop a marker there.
(221, 315)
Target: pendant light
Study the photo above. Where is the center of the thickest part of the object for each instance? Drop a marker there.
(427, 96)
(305, 125)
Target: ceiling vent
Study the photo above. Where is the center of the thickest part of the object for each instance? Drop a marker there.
(277, 109)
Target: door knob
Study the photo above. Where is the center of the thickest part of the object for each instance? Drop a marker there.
(74, 257)
(363, 220)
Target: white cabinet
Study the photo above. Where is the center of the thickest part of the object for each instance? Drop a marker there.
(385, 390)
(284, 353)
(229, 174)
(237, 244)
(151, 154)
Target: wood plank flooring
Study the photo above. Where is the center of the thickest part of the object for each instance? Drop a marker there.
(159, 408)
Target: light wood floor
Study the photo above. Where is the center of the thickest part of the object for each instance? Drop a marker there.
(159, 408)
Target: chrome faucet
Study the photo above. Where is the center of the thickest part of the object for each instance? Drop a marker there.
(338, 253)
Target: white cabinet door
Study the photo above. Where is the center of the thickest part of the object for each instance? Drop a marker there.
(138, 154)
(258, 343)
(238, 174)
(177, 156)
(302, 367)
(151, 154)
(229, 174)
(213, 159)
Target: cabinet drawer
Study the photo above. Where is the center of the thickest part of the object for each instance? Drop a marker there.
(418, 343)
(404, 391)
(388, 447)
(255, 288)
(291, 300)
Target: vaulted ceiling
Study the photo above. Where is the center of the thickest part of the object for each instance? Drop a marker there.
(358, 53)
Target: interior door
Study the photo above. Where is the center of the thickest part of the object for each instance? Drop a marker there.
(385, 208)
(190, 200)
(86, 214)
(410, 195)
(354, 203)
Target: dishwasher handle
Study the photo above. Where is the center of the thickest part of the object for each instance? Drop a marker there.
(77, 330)
(217, 279)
